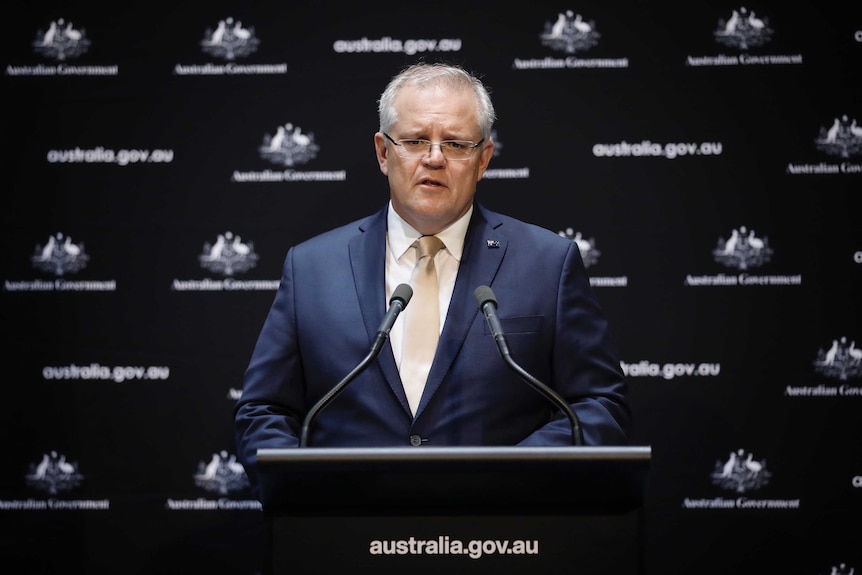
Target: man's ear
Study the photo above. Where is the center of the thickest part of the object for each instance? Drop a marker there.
(485, 159)
(382, 153)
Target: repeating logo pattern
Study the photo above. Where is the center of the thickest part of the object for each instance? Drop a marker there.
(743, 30)
(841, 569)
(743, 249)
(59, 255)
(570, 33)
(221, 474)
(843, 138)
(61, 41)
(740, 472)
(229, 40)
(54, 474)
(841, 360)
(228, 255)
(289, 146)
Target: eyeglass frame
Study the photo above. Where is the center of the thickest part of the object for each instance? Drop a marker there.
(429, 143)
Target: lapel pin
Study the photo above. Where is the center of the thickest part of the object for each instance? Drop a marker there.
(493, 243)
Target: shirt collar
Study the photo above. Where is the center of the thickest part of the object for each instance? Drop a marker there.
(402, 235)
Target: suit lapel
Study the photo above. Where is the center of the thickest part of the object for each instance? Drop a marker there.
(484, 248)
(368, 260)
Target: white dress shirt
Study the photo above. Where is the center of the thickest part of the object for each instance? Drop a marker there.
(400, 260)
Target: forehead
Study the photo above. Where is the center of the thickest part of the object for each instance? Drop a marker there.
(438, 106)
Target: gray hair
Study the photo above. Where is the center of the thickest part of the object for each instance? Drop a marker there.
(424, 74)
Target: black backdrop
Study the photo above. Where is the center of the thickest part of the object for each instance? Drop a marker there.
(125, 347)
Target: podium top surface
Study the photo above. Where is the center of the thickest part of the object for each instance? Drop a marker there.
(298, 479)
(453, 455)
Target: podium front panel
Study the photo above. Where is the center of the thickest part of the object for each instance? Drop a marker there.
(605, 544)
(461, 510)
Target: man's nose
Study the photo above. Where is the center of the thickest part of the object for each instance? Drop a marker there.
(435, 152)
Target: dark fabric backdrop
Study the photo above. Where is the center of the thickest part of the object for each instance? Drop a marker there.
(125, 349)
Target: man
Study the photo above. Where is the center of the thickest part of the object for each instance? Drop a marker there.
(434, 145)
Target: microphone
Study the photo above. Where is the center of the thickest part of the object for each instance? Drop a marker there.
(399, 300)
(488, 304)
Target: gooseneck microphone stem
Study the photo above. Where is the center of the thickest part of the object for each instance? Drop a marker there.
(324, 401)
(549, 393)
(488, 305)
(400, 297)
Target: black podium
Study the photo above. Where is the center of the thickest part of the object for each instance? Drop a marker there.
(455, 510)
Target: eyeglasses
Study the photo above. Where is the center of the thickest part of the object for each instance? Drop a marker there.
(413, 148)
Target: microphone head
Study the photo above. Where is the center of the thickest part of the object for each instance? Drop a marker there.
(483, 295)
(403, 292)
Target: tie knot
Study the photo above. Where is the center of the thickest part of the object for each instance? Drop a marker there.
(428, 246)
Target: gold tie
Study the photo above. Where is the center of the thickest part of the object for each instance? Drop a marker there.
(421, 322)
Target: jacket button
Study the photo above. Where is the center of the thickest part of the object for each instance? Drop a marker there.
(415, 440)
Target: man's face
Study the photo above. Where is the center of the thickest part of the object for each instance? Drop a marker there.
(432, 192)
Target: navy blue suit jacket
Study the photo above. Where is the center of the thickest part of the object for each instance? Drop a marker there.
(328, 309)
